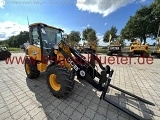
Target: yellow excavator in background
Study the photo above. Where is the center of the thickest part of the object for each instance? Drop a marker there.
(136, 48)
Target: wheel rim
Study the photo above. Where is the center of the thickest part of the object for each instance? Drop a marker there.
(27, 69)
(53, 83)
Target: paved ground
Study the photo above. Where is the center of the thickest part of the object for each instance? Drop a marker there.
(25, 99)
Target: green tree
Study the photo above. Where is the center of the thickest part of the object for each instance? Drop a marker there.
(91, 36)
(112, 31)
(10, 41)
(138, 25)
(121, 40)
(4, 42)
(87, 31)
(22, 38)
(74, 36)
(155, 18)
(16, 41)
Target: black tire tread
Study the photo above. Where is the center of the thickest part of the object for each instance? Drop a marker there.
(34, 73)
(67, 81)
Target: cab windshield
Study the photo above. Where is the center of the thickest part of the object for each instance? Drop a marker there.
(50, 36)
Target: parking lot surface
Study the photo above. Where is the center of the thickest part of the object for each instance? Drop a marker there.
(25, 99)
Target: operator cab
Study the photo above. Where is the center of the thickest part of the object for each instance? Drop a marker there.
(44, 36)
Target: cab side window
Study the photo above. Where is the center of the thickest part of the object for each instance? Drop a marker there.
(35, 35)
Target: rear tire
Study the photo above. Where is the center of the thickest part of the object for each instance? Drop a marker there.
(60, 81)
(31, 69)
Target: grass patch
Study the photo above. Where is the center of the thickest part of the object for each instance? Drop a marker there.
(100, 50)
(14, 49)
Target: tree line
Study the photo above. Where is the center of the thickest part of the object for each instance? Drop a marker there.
(16, 41)
(142, 25)
(88, 34)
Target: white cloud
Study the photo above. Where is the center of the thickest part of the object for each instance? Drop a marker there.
(88, 25)
(105, 23)
(100, 42)
(2, 3)
(9, 28)
(98, 34)
(104, 7)
(83, 27)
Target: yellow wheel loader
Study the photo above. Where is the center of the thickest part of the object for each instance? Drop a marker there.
(49, 53)
(136, 48)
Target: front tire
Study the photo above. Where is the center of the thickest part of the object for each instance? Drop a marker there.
(31, 69)
(60, 81)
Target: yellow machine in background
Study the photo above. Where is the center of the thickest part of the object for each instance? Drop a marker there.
(86, 47)
(136, 48)
(114, 48)
(156, 53)
(89, 47)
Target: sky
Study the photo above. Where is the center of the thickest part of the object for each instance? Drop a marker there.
(69, 15)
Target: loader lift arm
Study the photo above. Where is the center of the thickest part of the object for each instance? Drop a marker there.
(81, 65)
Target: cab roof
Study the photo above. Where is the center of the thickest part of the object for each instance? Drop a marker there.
(39, 23)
